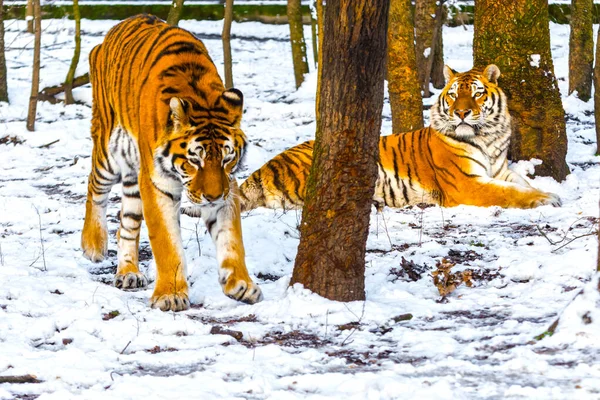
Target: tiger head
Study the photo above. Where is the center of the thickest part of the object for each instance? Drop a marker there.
(471, 104)
(205, 146)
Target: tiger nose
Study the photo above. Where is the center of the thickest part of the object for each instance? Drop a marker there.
(462, 114)
(212, 198)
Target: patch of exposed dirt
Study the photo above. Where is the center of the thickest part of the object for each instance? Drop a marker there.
(409, 271)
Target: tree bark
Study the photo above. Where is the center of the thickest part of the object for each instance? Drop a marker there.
(75, 60)
(35, 79)
(3, 71)
(597, 94)
(581, 49)
(516, 37)
(429, 45)
(175, 12)
(403, 77)
(294, 13)
(335, 218)
(29, 16)
(226, 37)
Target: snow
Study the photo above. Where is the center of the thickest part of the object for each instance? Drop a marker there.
(534, 60)
(479, 342)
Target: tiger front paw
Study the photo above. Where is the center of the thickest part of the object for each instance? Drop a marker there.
(239, 289)
(548, 199)
(171, 302)
(131, 280)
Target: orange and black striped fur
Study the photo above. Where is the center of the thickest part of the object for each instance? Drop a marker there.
(163, 122)
(460, 159)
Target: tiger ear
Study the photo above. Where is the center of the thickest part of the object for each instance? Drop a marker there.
(492, 73)
(448, 73)
(235, 100)
(179, 109)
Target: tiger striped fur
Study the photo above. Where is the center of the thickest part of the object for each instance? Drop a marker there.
(163, 122)
(460, 159)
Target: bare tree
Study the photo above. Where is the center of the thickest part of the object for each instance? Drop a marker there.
(313, 30)
(294, 13)
(3, 72)
(226, 38)
(429, 20)
(335, 218)
(403, 77)
(75, 60)
(581, 49)
(29, 16)
(515, 36)
(175, 12)
(35, 79)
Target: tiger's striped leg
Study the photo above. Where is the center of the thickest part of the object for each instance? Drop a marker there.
(225, 228)
(105, 173)
(128, 275)
(161, 212)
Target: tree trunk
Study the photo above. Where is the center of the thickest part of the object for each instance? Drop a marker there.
(71, 74)
(429, 45)
(516, 37)
(313, 31)
(175, 12)
(35, 79)
(335, 218)
(597, 94)
(581, 49)
(226, 37)
(3, 72)
(403, 77)
(29, 16)
(294, 13)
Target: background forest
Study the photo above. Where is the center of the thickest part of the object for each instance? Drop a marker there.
(526, 322)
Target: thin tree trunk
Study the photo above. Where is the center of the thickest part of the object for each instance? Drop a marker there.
(335, 218)
(597, 93)
(429, 47)
(294, 13)
(313, 31)
(71, 74)
(35, 80)
(403, 77)
(226, 37)
(175, 12)
(3, 71)
(581, 49)
(29, 16)
(515, 36)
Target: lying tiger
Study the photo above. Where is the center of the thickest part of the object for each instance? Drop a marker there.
(163, 122)
(460, 159)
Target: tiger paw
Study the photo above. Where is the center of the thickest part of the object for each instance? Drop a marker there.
(130, 280)
(170, 302)
(548, 199)
(243, 290)
(94, 243)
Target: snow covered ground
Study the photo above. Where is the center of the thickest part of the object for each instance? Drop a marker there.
(63, 321)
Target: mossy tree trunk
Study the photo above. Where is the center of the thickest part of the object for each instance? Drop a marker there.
(335, 218)
(429, 45)
(581, 49)
(403, 77)
(226, 37)
(597, 94)
(294, 13)
(175, 12)
(3, 72)
(75, 60)
(313, 30)
(515, 36)
(35, 79)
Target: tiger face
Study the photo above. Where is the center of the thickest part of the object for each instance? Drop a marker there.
(204, 153)
(471, 104)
